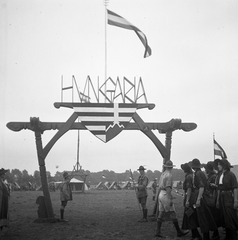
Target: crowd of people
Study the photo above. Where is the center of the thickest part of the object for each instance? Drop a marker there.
(210, 200)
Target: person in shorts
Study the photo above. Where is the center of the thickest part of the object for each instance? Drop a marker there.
(65, 194)
(141, 192)
(165, 201)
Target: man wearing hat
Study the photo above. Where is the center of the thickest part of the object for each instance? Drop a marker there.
(141, 192)
(4, 200)
(65, 194)
(165, 200)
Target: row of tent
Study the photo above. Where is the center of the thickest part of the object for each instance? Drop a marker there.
(16, 187)
(129, 184)
(118, 186)
(114, 185)
(79, 185)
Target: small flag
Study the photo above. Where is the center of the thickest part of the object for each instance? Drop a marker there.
(218, 150)
(118, 21)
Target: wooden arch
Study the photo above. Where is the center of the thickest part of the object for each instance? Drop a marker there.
(39, 127)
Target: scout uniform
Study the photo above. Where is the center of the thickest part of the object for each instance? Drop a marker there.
(65, 194)
(166, 206)
(141, 192)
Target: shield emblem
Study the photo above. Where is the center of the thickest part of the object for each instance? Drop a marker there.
(105, 120)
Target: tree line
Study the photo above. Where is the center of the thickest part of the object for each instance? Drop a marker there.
(27, 181)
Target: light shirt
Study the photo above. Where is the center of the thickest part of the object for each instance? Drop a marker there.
(221, 178)
(166, 180)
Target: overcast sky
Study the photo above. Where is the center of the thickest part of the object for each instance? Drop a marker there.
(191, 74)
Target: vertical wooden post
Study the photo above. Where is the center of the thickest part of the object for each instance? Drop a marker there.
(41, 161)
(168, 143)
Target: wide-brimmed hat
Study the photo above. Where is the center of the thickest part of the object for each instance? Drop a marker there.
(168, 164)
(186, 167)
(216, 162)
(3, 171)
(225, 164)
(209, 166)
(141, 168)
(196, 163)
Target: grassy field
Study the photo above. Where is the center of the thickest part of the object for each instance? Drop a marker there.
(100, 215)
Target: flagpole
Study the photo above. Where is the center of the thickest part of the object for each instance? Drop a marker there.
(105, 86)
(213, 146)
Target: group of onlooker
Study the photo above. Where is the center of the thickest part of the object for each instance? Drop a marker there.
(211, 199)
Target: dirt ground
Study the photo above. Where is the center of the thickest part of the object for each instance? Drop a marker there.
(99, 215)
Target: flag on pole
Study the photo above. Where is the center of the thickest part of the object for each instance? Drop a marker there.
(118, 21)
(218, 150)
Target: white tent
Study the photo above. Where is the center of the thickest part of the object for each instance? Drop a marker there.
(149, 186)
(57, 185)
(78, 185)
(126, 185)
(102, 186)
(15, 186)
(114, 186)
(178, 184)
(107, 184)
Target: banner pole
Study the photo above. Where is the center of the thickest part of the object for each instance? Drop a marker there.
(105, 85)
(213, 146)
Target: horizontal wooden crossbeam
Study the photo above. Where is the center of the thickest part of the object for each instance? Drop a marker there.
(161, 127)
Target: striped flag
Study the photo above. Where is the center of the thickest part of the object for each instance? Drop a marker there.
(218, 150)
(105, 120)
(118, 21)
